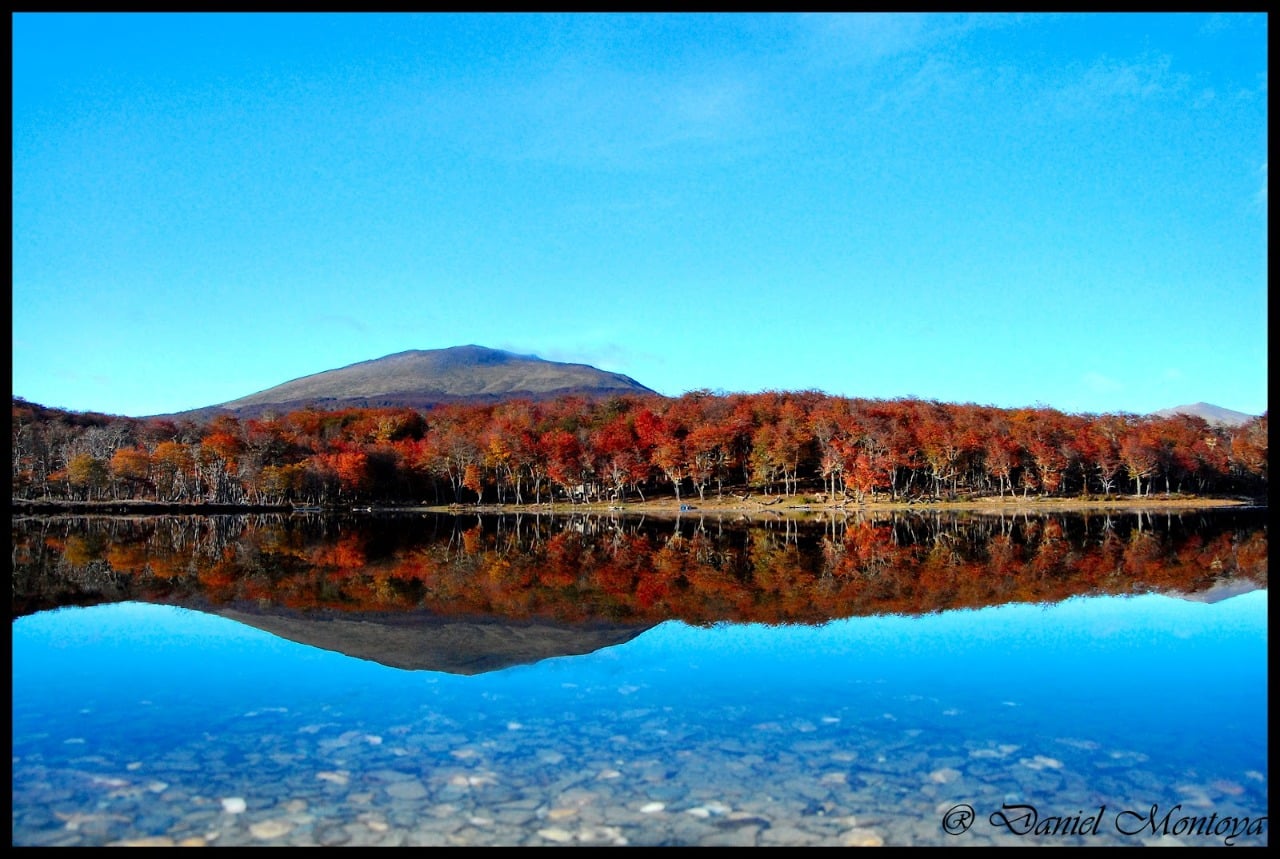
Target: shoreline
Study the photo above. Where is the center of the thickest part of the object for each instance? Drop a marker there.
(793, 507)
(776, 505)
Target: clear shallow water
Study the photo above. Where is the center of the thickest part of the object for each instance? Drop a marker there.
(1096, 721)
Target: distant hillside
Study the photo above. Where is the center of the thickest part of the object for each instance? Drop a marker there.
(1219, 591)
(425, 378)
(1215, 415)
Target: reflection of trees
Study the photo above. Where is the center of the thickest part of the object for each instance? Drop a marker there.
(588, 567)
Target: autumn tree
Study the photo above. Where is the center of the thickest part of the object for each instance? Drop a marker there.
(174, 471)
(471, 479)
(1045, 446)
(709, 447)
(88, 474)
(707, 431)
(279, 484)
(618, 456)
(451, 444)
(1249, 449)
(131, 466)
(1001, 455)
(831, 424)
(666, 441)
(770, 440)
(1099, 444)
(1138, 453)
(566, 466)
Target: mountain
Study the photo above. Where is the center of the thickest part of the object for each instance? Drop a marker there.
(1218, 591)
(1214, 415)
(425, 378)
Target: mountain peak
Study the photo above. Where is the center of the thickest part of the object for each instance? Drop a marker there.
(469, 355)
(424, 377)
(1214, 415)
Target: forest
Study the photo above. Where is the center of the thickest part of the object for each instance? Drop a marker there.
(577, 449)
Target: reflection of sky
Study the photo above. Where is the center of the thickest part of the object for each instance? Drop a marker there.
(1132, 659)
(1178, 671)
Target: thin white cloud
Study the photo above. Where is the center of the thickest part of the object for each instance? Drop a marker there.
(936, 81)
(1215, 24)
(591, 113)
(612, 116)
(76, 376)
(610, 356)
(1110, 84)
(899, 62)
(861, 38)
(864, 39)
(1229, 24)
(588, 108)
(1101, 384)
(341, 321)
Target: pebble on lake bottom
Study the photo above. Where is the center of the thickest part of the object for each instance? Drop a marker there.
(826, 781)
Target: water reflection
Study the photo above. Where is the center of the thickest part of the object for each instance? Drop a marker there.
(1081, 681)
(631, 571)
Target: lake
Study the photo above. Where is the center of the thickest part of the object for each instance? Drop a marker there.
(923, 679)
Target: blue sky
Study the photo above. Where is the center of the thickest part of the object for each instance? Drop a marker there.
(1011, 210)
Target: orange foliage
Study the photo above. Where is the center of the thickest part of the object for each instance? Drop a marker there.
(574, 569)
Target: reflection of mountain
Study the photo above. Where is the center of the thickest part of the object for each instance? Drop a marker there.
(423, 642)
(601, 573)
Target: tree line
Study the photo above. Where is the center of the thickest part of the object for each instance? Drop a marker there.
(843, 450)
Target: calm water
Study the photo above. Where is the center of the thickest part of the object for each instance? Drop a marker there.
(1095, 719)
